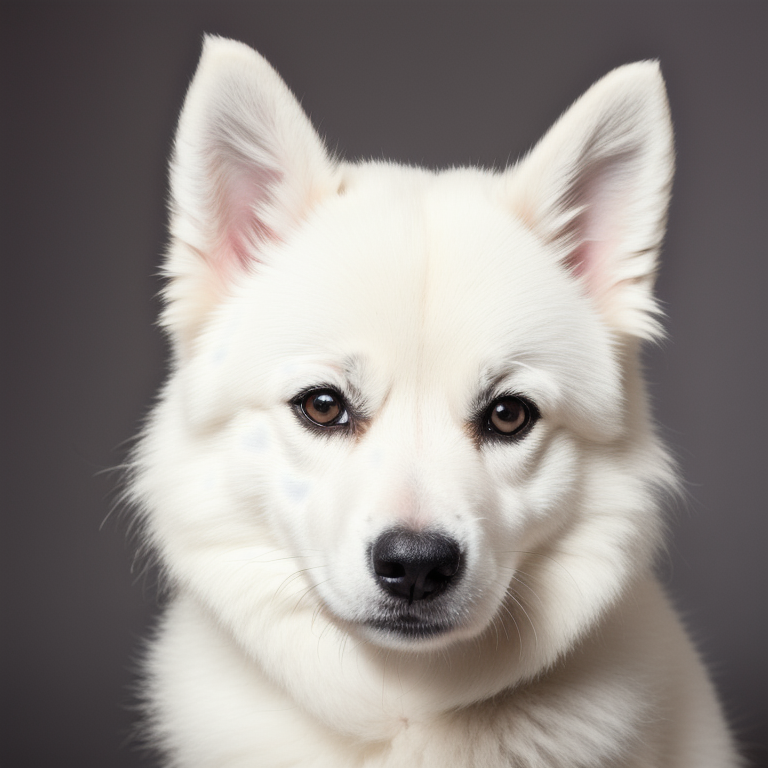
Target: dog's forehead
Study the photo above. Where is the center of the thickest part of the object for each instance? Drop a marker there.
(421, 266)
(414, 284)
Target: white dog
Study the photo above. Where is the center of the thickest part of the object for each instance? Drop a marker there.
(402, 479)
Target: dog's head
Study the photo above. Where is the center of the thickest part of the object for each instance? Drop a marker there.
(403, 402)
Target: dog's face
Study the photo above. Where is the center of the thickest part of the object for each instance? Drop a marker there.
(408, 400)
(411, 421)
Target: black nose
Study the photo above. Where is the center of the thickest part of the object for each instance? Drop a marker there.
(415, 565)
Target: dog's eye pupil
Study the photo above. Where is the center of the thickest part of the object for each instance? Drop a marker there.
(322, 407)
(508, 415)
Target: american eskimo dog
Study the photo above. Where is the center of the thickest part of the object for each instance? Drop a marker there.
(402, 479)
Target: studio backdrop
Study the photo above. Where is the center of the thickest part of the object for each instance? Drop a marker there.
(91, 93)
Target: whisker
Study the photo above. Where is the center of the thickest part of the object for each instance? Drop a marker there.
(522, 608)
(303, 594)
(511, 615)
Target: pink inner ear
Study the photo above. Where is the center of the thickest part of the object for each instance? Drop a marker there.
(591, 261)
(597, 233)
(247, 196)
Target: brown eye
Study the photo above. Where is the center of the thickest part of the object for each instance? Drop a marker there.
(509, 416)
(324, 407)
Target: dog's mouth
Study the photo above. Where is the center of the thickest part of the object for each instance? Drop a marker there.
(409, 627)
(400, 621)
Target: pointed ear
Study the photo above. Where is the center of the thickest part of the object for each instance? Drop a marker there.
(597, 187)
(247, 168)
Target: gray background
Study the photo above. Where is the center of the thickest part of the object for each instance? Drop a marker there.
(90, 97)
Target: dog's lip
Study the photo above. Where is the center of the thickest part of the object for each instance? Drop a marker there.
(414, 621)
(409, 626)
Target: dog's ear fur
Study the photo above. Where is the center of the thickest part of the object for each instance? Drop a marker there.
(597, 187)
(247, 167)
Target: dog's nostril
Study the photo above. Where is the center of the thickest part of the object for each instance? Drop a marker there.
(388, 570)
(415, 565)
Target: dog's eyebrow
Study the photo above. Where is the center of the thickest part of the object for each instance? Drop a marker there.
(490, 382)
(353, 370)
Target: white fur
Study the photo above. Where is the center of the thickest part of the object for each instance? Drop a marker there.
(416, 295)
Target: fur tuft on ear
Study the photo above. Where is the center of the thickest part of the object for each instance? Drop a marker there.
(597, 187)
(247, 168)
